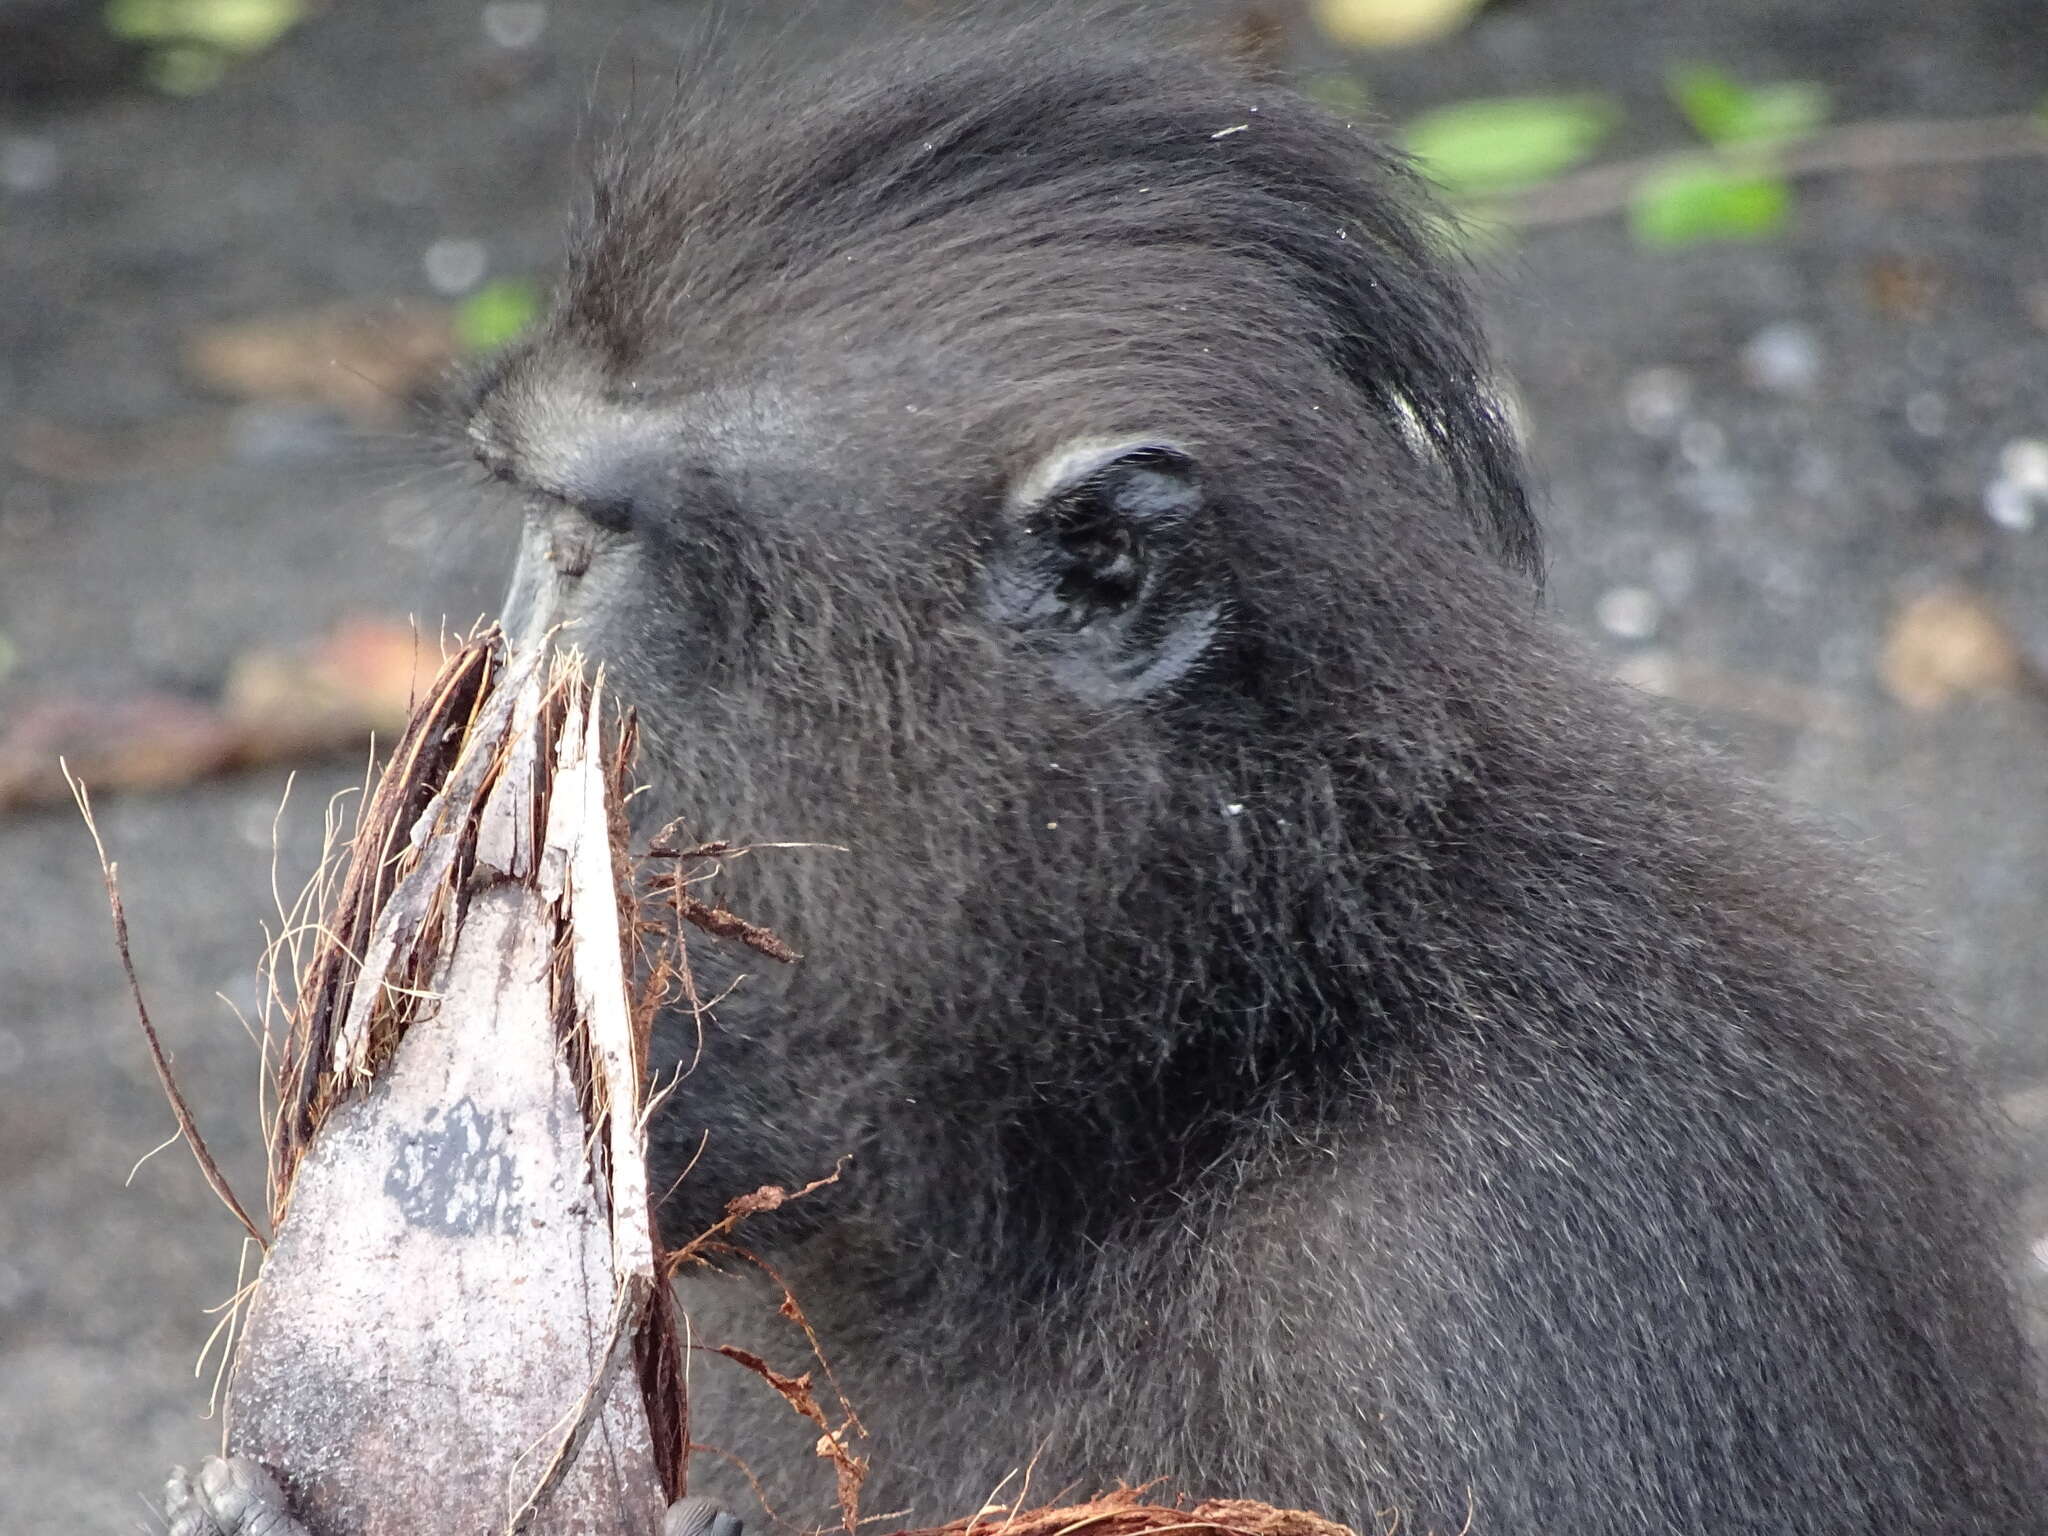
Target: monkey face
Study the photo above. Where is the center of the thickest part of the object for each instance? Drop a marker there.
(930, 479)
(1020, 511)
(691, 532)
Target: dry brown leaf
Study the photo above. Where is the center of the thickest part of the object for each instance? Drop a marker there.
(367, 671)
(1947, 644)
(366, 361)
(279, 706)
(1902, 288)
(151, 741)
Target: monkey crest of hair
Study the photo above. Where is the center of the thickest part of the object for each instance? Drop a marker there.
(1299, 1028)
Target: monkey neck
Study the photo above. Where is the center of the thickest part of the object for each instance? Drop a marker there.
(1158, 979)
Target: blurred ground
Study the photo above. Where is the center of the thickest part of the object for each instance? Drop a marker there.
(1757, 460)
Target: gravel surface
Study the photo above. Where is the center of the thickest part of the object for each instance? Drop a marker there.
(1760, 461)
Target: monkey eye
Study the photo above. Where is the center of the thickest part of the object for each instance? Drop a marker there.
(1096, 532)
(1089, 550)
(1086, 529)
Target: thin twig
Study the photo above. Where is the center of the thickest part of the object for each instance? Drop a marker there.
(1904, 144)
(188, 1127)
(720, 923)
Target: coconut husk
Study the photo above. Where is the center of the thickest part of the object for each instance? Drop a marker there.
(464, 1263)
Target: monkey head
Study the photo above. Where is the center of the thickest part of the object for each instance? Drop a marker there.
(1055, 496)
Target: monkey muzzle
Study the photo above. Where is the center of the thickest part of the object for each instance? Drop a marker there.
(558, 547)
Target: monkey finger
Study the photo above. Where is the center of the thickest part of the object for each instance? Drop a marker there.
(230, 1496)
(700, 1517)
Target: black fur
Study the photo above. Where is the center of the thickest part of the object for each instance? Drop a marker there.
(1372, 1066)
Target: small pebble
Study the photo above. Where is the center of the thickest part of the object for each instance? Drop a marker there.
(27, 163)
(1628, 613)
(401, 183)
(1783, 359)
(1702, 444)
(2019, 496)
(2011, 506)
(515, 23)
(455, 266)
(2024, 461)
(1655, 400)
(1927, 414)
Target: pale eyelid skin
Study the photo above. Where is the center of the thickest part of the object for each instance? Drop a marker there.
(1192, 633)
(1074, 462)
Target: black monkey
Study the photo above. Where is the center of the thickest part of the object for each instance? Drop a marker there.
(1299, 1028)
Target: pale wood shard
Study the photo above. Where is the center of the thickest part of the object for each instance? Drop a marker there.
(579, 844)
(505, 829)
(597, 953)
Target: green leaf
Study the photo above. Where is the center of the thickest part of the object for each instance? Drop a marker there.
(140, 21)
(235, 26)
(1724, 112)
(185, 69)
(1503, 142)
(1705, 200)
(496, 313)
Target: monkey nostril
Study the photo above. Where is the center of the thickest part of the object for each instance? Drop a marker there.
(489, 450)
(571, 548)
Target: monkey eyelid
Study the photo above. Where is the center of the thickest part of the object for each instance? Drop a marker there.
(1073, 465)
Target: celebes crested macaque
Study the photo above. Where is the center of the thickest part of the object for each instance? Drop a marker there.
(1298, 1028)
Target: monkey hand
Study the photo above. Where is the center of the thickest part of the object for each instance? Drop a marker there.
(700, 1517)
